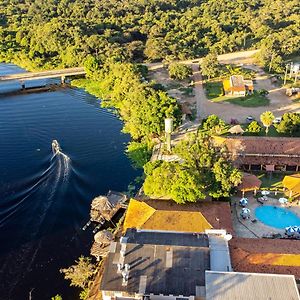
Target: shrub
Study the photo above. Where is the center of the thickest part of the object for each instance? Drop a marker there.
(179, 71)
(263, 92)
(254, 127)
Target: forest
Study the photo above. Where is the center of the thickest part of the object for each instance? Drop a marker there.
(62, 33)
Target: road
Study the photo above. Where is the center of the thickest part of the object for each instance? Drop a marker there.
(200, 95)
(222, 58)
(43, 74)
(203, 105)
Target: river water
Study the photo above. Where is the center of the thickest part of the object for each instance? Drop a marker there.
(45, 196)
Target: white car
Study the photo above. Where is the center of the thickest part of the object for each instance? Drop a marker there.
(249, 119)
(277, 120)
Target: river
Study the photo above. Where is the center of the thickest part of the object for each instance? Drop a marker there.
(45, 197)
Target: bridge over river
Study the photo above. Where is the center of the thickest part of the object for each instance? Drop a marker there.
(42, 75)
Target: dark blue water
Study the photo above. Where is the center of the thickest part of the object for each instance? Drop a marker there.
(45, 198)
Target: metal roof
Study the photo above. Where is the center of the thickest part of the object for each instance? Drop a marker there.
(166, 238)
(159, 268)
(250, 286)
(219, 254)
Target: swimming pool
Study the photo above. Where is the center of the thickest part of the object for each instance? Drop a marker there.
(276, 216)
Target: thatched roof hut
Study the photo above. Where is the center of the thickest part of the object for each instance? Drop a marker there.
(103, 237)
(100, 247)
(249, 183)
(104, 207)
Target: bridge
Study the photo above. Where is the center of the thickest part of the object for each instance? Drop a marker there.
(43, 75)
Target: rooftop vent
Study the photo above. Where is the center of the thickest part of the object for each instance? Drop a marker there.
(125, 275)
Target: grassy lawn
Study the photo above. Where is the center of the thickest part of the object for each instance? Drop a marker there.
(272, 132)
(214, 92)
(271, 181)
(250, 100)
(214, 89)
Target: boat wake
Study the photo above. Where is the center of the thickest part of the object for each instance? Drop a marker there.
(58, 171)
(49, 187)
(62, 157)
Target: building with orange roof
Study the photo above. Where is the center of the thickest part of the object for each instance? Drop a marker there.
(168, 216)
(237, 86)
(256, 153)
(276, 256)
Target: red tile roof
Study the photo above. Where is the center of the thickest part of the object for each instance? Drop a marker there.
(274, 253)
(263, 150)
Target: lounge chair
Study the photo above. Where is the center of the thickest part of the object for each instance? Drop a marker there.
(260, 201)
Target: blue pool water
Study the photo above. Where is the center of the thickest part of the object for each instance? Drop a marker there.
(276, 216)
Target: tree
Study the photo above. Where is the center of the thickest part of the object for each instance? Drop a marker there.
(211, 164)
(213, 124)
(80, 273)
(254, 127)
(57, 297)
(267, 119)
(179, 71)
(269, 57)
(210, 65)
(142, 108)
(91, 66)
(173, 181)
(61, 33)
(290, 123)
(138, 153)
(202, 170)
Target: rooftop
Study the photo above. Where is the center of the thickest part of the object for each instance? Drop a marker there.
(166, 238)
(237, 81)
(158, 267)
(166, 215)
(250, 286)
(278, 256)
(263, 150)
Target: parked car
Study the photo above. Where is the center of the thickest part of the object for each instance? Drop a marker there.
(277, 120)
(249, 119)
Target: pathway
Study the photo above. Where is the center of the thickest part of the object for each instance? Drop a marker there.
(199, 92)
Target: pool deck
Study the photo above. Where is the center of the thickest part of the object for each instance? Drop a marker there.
(248, 229)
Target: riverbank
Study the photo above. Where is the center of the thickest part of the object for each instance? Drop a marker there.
(42, 212)
(37, 89)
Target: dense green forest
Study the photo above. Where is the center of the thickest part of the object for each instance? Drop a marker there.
(61, 33)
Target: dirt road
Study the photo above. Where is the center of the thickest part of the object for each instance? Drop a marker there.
(279, 102)
(200, 95)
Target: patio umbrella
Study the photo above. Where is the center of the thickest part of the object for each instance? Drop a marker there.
(245, 213)
(244, 202)
(282, 200)
(297, 228)
(265, 193)
(290, 230)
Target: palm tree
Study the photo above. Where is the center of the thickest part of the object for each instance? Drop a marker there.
(267, 119)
